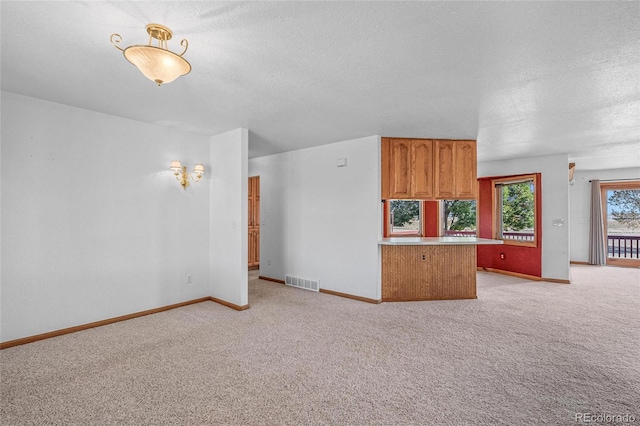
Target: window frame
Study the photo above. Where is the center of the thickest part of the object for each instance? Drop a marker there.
(388, 226)
(496, 211)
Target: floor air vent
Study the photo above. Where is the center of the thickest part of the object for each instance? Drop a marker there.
(313, 285)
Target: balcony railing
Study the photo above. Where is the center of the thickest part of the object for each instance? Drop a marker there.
(620, 246)
(450, 233)
(623, 246)
(520, 236)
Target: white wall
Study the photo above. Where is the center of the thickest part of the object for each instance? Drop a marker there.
(580, 193)
(228, 217)
(94, 225)
(555, 205)
(320, 221)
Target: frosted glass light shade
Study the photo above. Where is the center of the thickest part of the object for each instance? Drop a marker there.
(157, 64)
(176, 166)
(198, 169)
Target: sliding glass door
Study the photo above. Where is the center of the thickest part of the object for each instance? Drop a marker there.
(621, 211)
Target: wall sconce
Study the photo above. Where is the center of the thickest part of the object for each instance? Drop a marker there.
(572, 169)
(180, 172)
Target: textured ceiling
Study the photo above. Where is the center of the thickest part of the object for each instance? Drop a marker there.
(523, 78)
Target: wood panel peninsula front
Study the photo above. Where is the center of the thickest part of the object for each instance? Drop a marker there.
(437, 268)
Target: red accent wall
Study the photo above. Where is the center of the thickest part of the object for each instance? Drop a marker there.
(520, 259)
(431, 213)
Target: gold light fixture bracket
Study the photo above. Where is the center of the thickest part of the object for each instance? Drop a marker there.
(159, 32)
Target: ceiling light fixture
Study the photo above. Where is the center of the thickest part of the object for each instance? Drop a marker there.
(158, 64)
(180, 172)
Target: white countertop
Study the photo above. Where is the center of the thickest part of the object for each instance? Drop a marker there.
(436, 241)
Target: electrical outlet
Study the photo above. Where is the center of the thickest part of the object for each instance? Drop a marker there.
(503, 256)
(188, 279)
(268, 261)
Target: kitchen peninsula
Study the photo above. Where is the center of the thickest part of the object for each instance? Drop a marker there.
(436, 268)
(428, 267)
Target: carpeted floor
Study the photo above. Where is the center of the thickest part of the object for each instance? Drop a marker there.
(524, 353)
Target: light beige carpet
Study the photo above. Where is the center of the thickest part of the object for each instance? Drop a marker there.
(523, 353)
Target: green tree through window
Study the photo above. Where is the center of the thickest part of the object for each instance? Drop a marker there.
(515, 209)
(517, 206)
(405, 217)
(459, 215)
(625, 207)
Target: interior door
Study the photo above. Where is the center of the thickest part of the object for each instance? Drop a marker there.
(254, 222)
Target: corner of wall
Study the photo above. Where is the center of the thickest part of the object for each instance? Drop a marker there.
(303, 232)
(228, 278)
(555, 205)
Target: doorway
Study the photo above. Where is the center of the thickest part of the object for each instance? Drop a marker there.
(254, 223)
(621, 218)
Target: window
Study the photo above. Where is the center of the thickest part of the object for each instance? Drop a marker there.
(404, 218)
(459, 218)
(515, 210)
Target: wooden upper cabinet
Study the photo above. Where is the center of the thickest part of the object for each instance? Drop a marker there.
(422, 167)
(455, 169)
(407, 168)
(466, 170)
(445, 161)
(400, 150)
(428, 169)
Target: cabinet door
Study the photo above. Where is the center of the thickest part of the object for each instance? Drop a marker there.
(422, 168)
(250, 193)
(400, 168)
(254, 201)
(253, 248)
(445, 167)
(466, 180)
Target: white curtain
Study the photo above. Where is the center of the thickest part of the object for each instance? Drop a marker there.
(597, 246)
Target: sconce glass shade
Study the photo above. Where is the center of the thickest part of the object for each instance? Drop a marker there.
(157, 64)
(180, 172)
